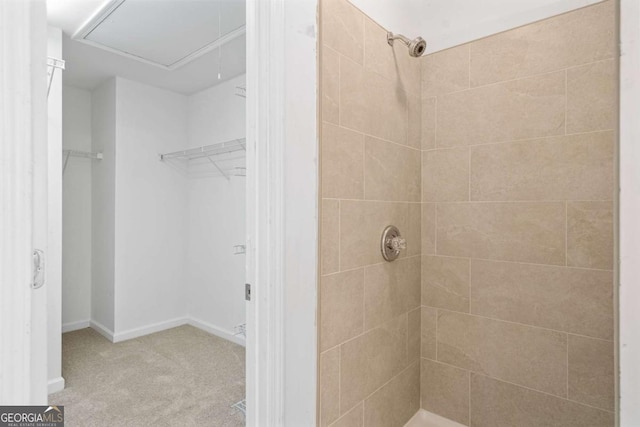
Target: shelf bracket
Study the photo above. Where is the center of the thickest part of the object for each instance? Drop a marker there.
(219, 169)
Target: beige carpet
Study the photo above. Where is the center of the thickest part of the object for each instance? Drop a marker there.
(179, 377)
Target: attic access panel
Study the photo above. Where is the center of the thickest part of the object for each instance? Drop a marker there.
(165, 33)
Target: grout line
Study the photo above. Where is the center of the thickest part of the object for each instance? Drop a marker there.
(469, 415)
(566, 234)
(567, 338)
(509, 141)
(469, 64)
(435, 228)
(486, 260)
(339, 235)
(469, 172)
(566, 98)
(437, 321)
(546, 73)
(435, 122)
(452, 202)
(534, 390)
(339, 381)
(557, 331)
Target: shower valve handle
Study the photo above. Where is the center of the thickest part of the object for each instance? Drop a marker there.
(398, 243)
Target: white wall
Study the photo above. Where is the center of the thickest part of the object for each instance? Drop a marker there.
(150, 212)
(629, 232)
(53, 255)
(444, 24)
(76, 208)
(216, 220)
(103, 203)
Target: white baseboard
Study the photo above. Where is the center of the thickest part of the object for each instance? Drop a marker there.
(215, 330)
(75, 326)
(149, 329)
(102, 330)
(55, 385)
(161, 326)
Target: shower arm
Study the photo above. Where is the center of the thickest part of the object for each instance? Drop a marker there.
(392, 37)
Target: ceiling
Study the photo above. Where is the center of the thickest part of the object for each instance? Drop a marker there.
(448, 23)
(170, 44)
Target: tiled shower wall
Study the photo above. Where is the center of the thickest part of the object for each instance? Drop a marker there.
(370, 312)
(501, 311)
(518, 188)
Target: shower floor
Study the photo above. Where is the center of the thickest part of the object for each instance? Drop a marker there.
(424, 418)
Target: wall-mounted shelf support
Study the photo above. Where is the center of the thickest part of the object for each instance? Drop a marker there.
(54, 64)
(82, 154)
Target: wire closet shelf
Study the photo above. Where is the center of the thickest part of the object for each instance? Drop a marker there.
(218, 155)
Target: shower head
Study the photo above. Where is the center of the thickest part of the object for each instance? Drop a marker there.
(416, 46)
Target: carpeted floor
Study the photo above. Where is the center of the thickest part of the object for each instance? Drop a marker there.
(179, 377)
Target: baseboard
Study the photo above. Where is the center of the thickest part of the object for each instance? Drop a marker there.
(102, 330)
(149, 329)
(215, 330)
(55, 385)
(75, 326)
(161, 326)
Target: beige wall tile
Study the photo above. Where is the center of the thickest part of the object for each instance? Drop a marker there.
(445, 175)
(560, 298)
(532, 357)
(592, 100)
(445, 391)
(429, 123)
(342, 27)
(341, 307)
(330, 86)
(428, 228)
(353, 418)
(371, 104)
(498, 404)
(590, 234)
(361, 225)
(392, 172)
(342, 163)
(519, 109)
(330, 236)
(528, 232)
(391, 288)
(414, 105)
(428, 332)
(329, 386)
(414, 326)
(445, 282)
(592, 372)
(396, 402)
(372, 359)
(575, 167)
(391, 62)
(413, 234)
(445, 71)
(575, 38)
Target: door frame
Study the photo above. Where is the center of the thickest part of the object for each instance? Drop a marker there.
(628, 341)
(23, 202)
(282, 212)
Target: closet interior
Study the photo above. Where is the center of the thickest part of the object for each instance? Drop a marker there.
(153, 243)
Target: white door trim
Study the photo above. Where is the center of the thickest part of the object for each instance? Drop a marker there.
(282, 195)
(23, 345)
(629, 232)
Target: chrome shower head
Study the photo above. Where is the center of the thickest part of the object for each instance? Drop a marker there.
(416, 46)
